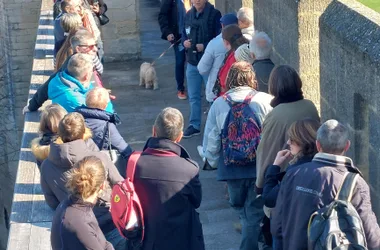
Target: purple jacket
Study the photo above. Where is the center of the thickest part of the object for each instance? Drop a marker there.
(307, 188)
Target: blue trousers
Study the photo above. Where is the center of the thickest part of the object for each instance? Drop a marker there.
(250, 208)
(194, 90)
(180, 59)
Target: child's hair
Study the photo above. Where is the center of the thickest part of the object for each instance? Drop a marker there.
(86, 177)
(97, 98)
(72, 127)
(50, 118)
(241, 74)
(70, 22)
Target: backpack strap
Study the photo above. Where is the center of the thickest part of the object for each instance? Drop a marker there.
(249, 97)
(131, 166)
(346, 189)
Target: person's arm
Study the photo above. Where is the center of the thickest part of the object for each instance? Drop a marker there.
(87, 235)
(163, 18)
(207, 60)
(50, 197)
(361, 200)
(113, 174)
(98, 65)
(40, 96)
(211, 138)
(271, 186)
(194, 190)
(118, 142)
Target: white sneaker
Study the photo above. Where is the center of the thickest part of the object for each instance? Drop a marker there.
(200, 152)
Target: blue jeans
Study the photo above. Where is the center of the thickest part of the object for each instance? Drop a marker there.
(118, 242)
(194, 89)
(250, 208)
(180, 59)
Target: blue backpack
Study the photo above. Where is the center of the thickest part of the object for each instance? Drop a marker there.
(240, 134)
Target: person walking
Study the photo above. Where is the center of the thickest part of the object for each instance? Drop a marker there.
(240, 179)
(167, 183)
(202, 24)
(213, 57)
(289, 105)
(311, 186)
(74, 224)
(171, 19)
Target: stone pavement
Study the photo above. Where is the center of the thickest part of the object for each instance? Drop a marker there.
(138, 108)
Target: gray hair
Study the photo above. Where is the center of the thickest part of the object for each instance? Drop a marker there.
(242, 54)
(261, 45)
(245, 15)
(80, 37)
(80, 65)
(169, 124)
(333, 137)
(70, 21)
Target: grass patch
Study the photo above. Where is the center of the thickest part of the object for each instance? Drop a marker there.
(373, 4)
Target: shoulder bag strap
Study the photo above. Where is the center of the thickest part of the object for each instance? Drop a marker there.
(346, 189)
(109, 141)
(104, 135)
(131, 166)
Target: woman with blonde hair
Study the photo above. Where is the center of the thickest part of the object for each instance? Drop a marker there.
(48, 128)
(70, 22)
(74, 224)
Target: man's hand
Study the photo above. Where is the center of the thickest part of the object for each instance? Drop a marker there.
(187, 44)
(200, 47)
(25, 109)
(282, 156)
(170, 37)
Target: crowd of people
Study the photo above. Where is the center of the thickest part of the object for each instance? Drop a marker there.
(264, 139)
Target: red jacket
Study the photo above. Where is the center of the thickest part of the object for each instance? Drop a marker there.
(223, 72)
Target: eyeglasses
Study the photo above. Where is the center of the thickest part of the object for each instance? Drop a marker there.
(90, 46)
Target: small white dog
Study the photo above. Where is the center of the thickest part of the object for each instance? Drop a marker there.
(148, 76)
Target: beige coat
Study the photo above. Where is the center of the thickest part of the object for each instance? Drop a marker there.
(274, 132)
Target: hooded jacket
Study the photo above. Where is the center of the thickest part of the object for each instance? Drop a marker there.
(169, 190)
(41, 146)
(74, 226)
(311, 186)
(68, 92)
(216, 117)
(104, 130)
(211, 62)
(61, 159)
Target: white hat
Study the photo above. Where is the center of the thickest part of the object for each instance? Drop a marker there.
(243, 54)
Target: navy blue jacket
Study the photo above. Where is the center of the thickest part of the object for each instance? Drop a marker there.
(97, 120)
(273, 178)
(313, 185)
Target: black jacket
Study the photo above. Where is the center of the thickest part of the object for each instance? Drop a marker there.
(168, 19)
(74, 226)
(99, 121)
(201, 28)
(41, 95)
(272, 181)
(313, 185)
(263, 68)
(169, 190)
(61, 159)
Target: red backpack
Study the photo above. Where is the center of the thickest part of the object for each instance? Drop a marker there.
(126, 210)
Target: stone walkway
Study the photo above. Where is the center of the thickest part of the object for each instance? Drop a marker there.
(138, 108)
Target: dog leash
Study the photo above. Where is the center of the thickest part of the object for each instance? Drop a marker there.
(163, 53)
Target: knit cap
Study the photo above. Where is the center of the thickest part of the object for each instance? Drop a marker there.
(243, 54)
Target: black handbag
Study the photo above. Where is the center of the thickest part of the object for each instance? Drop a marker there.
(103, 19)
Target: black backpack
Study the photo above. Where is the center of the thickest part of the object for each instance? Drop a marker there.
(338, 225)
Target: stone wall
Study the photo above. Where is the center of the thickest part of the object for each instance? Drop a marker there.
(335, 46)
(350, 81)
(121, 35)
